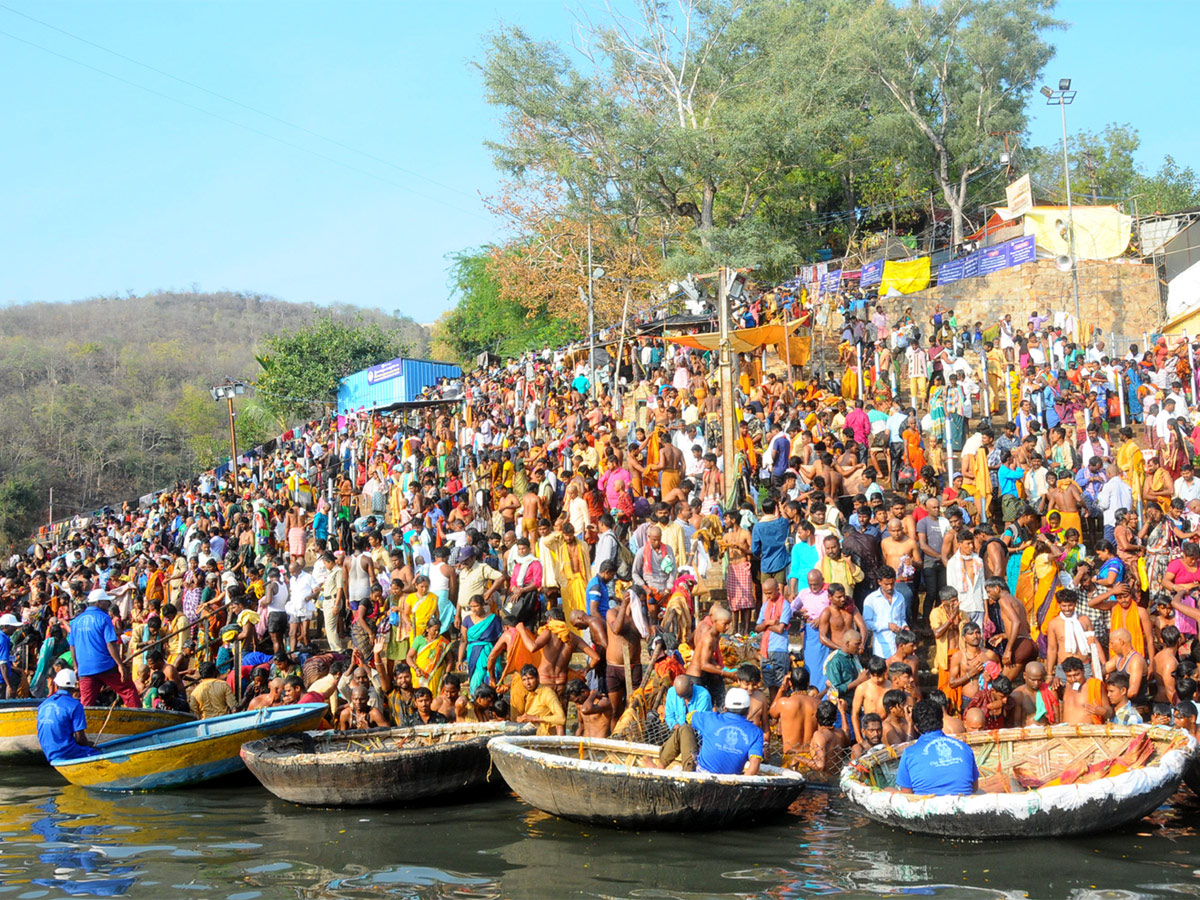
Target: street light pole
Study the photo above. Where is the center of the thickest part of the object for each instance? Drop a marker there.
(1064, 96)
(591, 309)
(227, 392)
(232, 445)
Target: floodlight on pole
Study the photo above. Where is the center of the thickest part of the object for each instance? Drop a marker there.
(1062, 98)
(227, 391)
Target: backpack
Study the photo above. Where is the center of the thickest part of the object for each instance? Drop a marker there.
(624, 562)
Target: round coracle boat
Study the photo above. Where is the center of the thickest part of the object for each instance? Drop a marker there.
(1034, 782)
(377, 765)
(607, 782)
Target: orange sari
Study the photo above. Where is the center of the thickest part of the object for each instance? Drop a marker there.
(913, 451)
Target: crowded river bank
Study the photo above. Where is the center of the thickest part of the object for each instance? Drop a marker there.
(239, 843)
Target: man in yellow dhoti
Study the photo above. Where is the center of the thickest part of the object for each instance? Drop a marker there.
(572, 567)
(1131, 462)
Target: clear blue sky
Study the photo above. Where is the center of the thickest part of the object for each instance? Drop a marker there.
(108, 188)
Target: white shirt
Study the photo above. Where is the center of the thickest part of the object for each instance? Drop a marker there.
(1115, 494)
(970, 591)
(299, 602)
(1186, 492)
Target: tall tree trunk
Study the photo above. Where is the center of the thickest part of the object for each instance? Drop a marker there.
(706, 213)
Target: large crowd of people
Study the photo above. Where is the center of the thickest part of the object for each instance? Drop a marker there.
(995, 517)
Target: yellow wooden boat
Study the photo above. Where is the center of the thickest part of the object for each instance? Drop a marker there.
(185, 754)
(18, 727)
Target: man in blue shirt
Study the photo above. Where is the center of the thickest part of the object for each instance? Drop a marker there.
(598, 596)
(61, 721)
(12, 681)
(781, 449)
(935, 764)
(768, 541)
(683, 699)
(729, 743)
(97, 653)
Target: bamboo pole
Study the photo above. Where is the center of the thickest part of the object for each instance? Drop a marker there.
(162, 640)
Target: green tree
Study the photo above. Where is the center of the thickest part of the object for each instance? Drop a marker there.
(21, 499)
(482, 320)
(301, 368)
(690, 113)
(1171, 189)
(958, 71)
(1104, 169)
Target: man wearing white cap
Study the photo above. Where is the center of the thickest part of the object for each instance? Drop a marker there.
(61, 721)
(12, 680)
(93, 640)
(730, 743)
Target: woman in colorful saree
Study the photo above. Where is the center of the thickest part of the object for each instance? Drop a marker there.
(480, 631)
(428, 657)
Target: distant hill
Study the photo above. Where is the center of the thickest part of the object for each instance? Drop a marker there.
(107, 398)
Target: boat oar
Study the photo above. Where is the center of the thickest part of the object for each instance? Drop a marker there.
(106, 718)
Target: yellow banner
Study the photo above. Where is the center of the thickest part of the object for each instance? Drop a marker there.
(1101, 232)
(905, 276)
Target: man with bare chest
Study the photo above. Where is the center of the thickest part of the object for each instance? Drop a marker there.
(796, 711)
(623, 647)
(706, 667)
(902, 553)
(966, 665)
(558, 644)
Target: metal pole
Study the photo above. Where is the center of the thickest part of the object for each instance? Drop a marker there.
(1117, 375)
(726, 374)
(616, 379)
(986, 412)
(1071, 225)
(949, 449)
(232, 444)
(1008, 388)
(787, 345)
(858, 353)
(592, 322)
(51, 522)
(1189, 386)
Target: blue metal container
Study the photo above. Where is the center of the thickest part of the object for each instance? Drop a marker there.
(395, 381)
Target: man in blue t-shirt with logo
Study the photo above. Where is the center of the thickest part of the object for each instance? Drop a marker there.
(935, 764)
(61, 721)
(729, 744)
(598, 596)
(12, 679)
(93, 640)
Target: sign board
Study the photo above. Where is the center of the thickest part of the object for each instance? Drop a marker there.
(385, 371)
(1022, 250)
(993, 259)
(951, 271)
(831, 282)
(1020, 196)
(872, 273)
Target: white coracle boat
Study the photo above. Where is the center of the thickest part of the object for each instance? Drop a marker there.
(1034, 782)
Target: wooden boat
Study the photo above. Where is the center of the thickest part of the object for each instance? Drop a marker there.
(18, 727)
(185, 754)
(603, 782)
(1035, 782)
(1191, 777)
(377, 765)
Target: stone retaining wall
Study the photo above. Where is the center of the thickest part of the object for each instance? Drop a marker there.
(1118, 297)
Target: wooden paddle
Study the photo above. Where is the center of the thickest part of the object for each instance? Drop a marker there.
(106, 718)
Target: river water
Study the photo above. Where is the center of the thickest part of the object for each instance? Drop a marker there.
(240, 843)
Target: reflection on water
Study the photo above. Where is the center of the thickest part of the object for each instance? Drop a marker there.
(239, 843)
